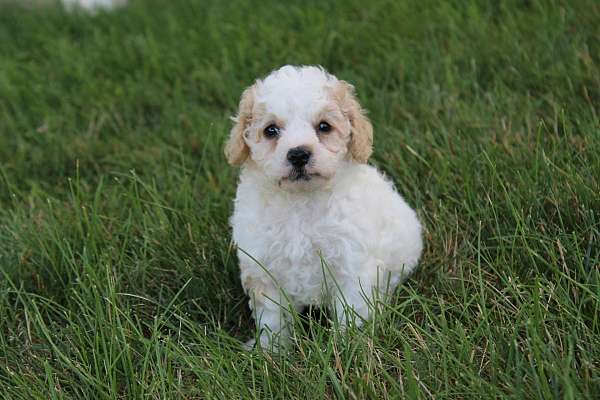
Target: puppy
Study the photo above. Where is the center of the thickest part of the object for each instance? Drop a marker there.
(71, 5)
(313, 222)
(92, 5)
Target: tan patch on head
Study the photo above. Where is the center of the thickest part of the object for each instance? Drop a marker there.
(361, 141)
(340, 127)
(236, 149)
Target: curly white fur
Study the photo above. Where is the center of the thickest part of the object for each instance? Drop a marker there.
(341, 235)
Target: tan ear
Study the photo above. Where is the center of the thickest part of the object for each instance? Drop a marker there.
(361, 140)
(236, 149)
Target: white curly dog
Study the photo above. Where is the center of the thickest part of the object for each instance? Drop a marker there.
(313, 223)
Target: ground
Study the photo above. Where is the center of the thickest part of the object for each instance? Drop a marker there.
(117, 275)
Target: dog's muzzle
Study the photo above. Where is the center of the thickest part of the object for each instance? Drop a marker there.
(298, 174)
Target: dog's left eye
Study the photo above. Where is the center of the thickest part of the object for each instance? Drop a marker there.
(323, 127)
(271, 131)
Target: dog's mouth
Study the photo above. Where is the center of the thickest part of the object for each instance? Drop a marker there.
(300, 175)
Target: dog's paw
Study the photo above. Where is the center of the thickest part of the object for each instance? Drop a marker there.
(266, 342)
(250, 345)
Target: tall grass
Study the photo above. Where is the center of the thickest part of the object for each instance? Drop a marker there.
(117, 275)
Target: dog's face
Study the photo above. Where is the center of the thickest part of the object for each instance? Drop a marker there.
(298, 126)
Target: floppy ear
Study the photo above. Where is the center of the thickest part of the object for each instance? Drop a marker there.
(361, 140)
(236, 149)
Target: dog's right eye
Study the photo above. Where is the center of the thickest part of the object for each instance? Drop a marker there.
(271, 131)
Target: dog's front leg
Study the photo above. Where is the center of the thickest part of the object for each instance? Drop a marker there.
(271, 312)
(352, 304)
(356, 296)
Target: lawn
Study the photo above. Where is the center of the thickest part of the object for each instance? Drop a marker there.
(118, 278)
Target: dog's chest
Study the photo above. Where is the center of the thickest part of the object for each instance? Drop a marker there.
(307, 244)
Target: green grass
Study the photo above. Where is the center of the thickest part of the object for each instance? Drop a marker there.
(117, 275)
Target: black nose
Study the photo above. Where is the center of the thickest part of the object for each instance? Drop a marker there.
(298, 156)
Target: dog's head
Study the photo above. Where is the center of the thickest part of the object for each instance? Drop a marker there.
(298, 126)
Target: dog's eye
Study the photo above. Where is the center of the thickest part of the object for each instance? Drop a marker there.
(323, 127)
(271, 131)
